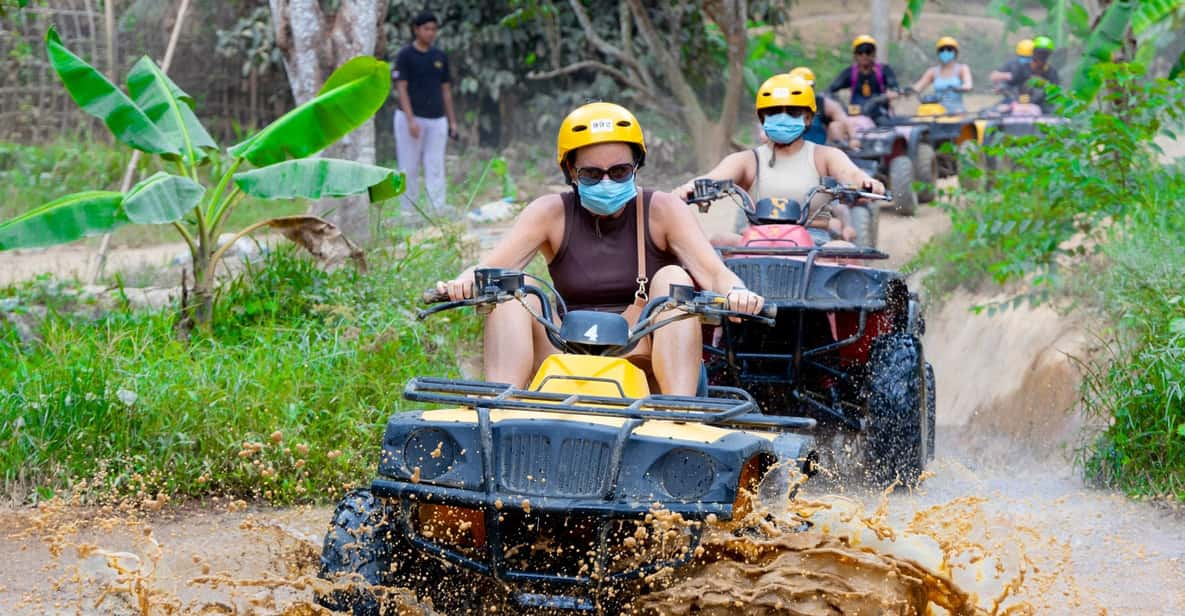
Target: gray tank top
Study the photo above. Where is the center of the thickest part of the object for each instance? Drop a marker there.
(790, 177)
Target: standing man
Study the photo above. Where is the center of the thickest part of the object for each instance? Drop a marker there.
(425, 118)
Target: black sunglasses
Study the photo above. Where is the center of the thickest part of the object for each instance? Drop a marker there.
(865, 50)
(618, 173)
(948, 49)
(794, 112)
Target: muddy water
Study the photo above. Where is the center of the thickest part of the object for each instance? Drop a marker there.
(997, 529)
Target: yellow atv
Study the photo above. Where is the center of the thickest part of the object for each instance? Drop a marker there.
(560, 496)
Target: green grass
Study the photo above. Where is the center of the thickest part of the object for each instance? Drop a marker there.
(1136, 388)
(112, 397)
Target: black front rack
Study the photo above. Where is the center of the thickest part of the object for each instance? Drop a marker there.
(724, 406)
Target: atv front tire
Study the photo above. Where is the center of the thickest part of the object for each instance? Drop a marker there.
(901, 185)
(864, 219)
(925, 168)
(897, 440)
(357, 554)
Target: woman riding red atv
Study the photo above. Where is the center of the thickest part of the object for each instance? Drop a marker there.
(608, 245)
(787, 166)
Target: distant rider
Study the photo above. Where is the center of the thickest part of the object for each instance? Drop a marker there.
(831, 124)
(1031, 62)
(950, 78)
(866, 78)
(788, 166)
(589, 237)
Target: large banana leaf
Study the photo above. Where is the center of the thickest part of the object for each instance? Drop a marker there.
(101, 99)
(162, 198)
(1106, 37)
(319, 178)
(170, 109)
(64, 220)
(351, 95)
(1150, 12)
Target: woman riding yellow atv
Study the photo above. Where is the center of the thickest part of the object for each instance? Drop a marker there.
(950, 79)
(568, 492)
(608, 245)
(788, 166)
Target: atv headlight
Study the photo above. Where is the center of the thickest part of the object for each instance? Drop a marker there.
(431, 450)
(687, 474)
(851, 284)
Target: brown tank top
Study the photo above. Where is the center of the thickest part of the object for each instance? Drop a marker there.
(596, 267)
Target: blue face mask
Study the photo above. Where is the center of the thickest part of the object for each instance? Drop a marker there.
(782, 128)
(946, 57)
(1024, 61)
(607, 197)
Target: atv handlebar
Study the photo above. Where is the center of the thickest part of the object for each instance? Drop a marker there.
(707, 191)
(495, 286)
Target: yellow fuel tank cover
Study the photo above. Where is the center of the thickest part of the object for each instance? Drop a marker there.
(590, 375)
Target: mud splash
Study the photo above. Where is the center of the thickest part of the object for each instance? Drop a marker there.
(121, 560)
(830, 555)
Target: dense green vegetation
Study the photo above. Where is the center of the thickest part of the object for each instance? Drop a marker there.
(317, 360)
(1089, 212)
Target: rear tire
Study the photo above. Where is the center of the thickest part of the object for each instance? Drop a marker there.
(901, 185)
(925, 167)
(864, 221)
(897, 444)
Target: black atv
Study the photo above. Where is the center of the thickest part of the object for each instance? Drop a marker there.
(554, 497)
(891, 154)
(846, 348)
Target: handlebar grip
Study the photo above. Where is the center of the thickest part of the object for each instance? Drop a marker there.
(432, 296)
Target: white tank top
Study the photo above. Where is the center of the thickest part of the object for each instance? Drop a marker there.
(790, 177)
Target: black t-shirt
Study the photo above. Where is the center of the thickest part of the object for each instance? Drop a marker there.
(867, 85)
(424, 72)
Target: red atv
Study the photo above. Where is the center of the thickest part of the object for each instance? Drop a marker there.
(846, 346)
(896, 155)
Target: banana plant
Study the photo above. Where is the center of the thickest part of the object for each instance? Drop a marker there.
(156, 117)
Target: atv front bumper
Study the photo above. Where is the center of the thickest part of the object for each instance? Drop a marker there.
(504, 515)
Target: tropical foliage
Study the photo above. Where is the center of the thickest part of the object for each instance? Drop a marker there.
(156, 117)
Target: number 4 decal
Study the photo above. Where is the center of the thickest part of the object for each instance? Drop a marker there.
(591, 334)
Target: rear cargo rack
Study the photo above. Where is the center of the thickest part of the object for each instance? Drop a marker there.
(723, 406)
(803, 251)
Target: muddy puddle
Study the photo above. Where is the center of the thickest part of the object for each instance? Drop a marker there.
(978, 537)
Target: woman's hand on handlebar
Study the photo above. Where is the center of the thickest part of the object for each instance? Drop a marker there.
(458, 288)
(685, 190)
(743, 300)
(873, 186)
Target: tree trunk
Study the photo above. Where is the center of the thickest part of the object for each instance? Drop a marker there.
(878, 10)
(315, 43)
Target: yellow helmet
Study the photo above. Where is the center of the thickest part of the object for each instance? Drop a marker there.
(805, 73)
(785, 91)
(861, 40)
(1024, 48)
(947, 41)
(599, 123)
